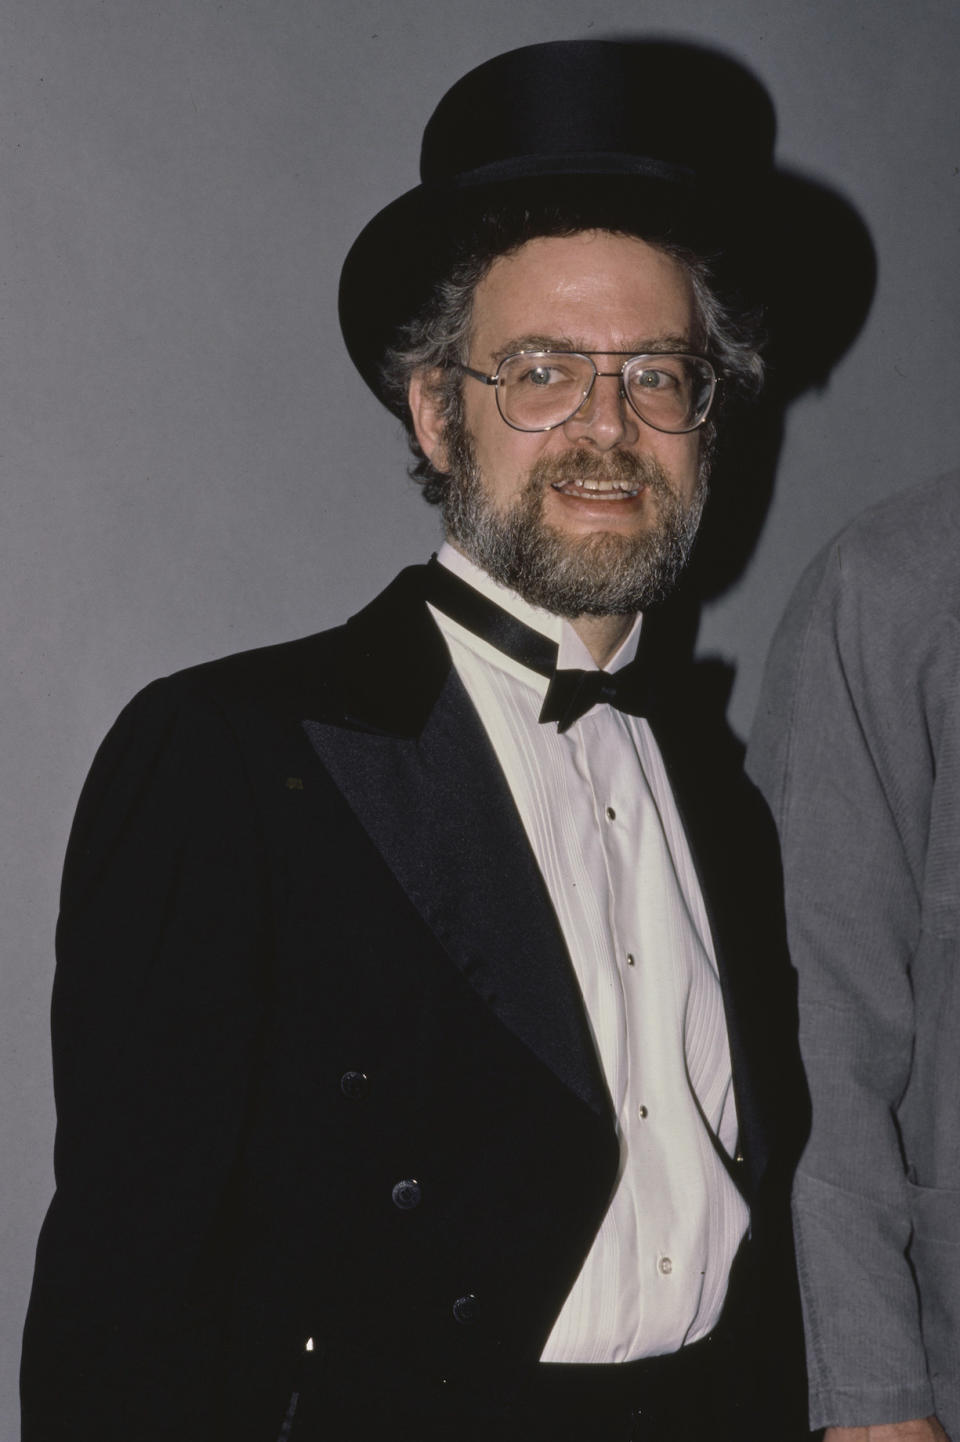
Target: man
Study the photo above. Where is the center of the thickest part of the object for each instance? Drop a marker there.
(411, 1080)
(856, 746)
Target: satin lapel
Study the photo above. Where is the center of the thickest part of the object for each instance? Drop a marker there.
(437, 807)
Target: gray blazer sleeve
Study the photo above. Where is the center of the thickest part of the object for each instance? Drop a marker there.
(857, 749)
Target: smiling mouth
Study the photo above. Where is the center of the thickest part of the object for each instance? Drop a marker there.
(597, 490)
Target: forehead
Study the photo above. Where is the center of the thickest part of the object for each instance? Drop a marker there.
(593, 291)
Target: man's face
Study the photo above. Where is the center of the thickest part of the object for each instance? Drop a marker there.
(597, 515)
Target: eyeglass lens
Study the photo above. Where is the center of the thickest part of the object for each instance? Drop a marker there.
(541, 390)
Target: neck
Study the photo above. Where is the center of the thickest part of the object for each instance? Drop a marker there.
(602, 635)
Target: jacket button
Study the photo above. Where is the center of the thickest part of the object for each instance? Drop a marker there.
(354, 1084)
(407, 1194)
(465, 1309)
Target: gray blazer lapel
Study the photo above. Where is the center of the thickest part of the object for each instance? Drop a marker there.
(438, 809)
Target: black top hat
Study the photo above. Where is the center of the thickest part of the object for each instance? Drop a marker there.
(682, 135)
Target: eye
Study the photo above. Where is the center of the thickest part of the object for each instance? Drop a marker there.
(649, 379)
(542, 376)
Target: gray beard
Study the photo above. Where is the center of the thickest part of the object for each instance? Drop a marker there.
(605, 574)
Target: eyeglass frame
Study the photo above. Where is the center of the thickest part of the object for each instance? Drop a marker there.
(629, 356)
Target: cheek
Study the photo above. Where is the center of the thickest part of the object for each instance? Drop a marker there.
(680, 457)
(505, 456)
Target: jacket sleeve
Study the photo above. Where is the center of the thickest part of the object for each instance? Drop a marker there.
(162, 954)
(827, 751)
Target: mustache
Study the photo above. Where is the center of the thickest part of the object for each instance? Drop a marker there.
(613, 466)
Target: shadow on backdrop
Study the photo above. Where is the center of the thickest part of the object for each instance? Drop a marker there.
(797, 251)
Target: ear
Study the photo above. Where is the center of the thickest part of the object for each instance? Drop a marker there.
(423, 400)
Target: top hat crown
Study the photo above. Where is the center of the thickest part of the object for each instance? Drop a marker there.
(599, 107)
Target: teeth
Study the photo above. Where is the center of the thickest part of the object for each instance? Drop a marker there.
(613, 489)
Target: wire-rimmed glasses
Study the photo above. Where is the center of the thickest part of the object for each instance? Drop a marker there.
(538, 390)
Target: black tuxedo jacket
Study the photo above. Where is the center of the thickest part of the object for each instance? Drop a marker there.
(322, 1067)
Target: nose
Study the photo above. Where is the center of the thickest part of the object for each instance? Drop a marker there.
(605, 419)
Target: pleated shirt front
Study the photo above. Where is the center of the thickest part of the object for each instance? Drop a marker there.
(600, 817)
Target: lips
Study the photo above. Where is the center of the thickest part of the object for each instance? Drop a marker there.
(613, 478)
(593, 489)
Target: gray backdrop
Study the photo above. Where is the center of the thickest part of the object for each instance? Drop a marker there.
(190, 465)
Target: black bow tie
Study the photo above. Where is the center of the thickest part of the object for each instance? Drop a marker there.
(571, 692)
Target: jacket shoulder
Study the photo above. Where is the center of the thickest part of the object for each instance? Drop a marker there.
(275, 676)
(898, 558)
(884, 594)
(306, 676)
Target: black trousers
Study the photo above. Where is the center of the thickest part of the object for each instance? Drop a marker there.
(739, 1384)
(684, 1396)
(695, 1395)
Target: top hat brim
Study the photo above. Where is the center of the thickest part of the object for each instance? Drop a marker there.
(415, 241)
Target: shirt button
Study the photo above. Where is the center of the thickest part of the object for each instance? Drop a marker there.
(611, 814)
(407, 1194)
(354, 1084)
(642, 1113)
(631, 959)
(465, 1309)
(665, 1265)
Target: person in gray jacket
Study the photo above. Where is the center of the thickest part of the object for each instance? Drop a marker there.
(857, 749)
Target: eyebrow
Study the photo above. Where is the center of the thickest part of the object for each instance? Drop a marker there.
(649, 345)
